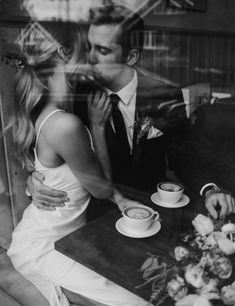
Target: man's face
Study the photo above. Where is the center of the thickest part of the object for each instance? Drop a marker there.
(106, 56)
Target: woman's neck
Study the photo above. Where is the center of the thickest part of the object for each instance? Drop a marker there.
(50, 107)
(53, 102)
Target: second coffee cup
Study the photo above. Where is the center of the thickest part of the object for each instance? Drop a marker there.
(170, 192)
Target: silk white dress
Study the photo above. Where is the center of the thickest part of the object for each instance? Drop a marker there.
(33, 254)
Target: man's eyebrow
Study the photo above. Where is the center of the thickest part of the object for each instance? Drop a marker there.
(103, 47)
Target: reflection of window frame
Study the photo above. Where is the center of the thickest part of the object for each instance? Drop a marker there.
(7, 163)
(153, 40)
(164, 9)
(193, 5)
(150, 39)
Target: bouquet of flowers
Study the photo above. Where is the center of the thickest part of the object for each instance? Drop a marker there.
(199, 270)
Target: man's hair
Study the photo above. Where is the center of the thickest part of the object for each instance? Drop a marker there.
(129, 21)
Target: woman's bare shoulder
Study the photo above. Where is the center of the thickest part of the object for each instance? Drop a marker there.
(62, 124)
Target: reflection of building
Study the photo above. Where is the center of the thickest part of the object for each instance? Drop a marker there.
(159, 7)
(38, 28)
(41, 34)
(152, 40)
(177, 52)
(162, 9)
(73, 10)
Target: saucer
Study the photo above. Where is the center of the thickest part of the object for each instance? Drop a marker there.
(181, 203)
(121, 228)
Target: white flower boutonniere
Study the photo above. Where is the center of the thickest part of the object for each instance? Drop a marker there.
(145, 129)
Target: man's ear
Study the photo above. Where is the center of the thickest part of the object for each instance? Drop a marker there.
(64, 53)
(133, 57)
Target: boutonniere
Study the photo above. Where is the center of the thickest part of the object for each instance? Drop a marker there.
(145, 129)
(142, 128)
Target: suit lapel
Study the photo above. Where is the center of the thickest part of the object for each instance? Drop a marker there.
(142, 100)
(136, 148)
(135, 144)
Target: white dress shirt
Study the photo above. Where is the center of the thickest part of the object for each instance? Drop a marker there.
(127, 105)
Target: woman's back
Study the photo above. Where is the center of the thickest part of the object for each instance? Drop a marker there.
(63, 220)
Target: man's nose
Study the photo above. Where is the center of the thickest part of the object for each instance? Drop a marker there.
(92, 57)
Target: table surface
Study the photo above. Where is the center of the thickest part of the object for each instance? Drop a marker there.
(100, 247)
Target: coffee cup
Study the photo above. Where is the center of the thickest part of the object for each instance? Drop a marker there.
(138, 218)
(170, 192)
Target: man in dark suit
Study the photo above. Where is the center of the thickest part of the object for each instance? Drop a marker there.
(145, 162)
(138, 157)
(112, 61)
(208, 155)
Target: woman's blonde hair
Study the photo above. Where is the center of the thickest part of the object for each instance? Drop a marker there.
(38, 57)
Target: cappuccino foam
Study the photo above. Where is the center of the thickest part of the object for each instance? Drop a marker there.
(137, 213)
(170, 187)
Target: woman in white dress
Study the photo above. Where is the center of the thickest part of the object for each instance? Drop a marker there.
(54, 142)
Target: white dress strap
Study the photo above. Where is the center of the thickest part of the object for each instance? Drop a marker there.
(90, 137)
(43, 122)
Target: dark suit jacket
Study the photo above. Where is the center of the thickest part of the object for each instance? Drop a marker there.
(147, 165)
(208, 150)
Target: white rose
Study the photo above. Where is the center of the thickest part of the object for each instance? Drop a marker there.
(213, 238)
(203, 225)
(180, 253)
(211, 287)
(222, 267)
(228, 294)
(193, 300)
(188, 300)
(194, 275)
(202, 301)
(228, 228)
(176, 288)
(227, 246)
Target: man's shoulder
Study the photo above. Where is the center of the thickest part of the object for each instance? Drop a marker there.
(151, 87)
(159, 100)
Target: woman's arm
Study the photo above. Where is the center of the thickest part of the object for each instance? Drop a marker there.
(70, 140)
(99, 110)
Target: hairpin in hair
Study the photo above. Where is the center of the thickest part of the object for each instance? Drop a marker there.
(15, 60)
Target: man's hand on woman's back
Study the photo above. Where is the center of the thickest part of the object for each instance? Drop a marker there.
(44, 197)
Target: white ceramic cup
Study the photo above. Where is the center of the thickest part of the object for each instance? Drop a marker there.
(170, 192)
(139, 219)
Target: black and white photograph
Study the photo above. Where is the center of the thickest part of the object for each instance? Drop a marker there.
(117, 152)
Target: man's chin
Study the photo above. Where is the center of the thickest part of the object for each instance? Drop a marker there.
(98, 79)
(96, 75)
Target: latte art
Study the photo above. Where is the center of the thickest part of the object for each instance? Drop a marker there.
(170, 187)
(170, 192)
(137, 213)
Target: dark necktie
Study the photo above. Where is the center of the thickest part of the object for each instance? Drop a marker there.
(117, 140)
